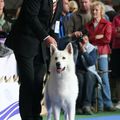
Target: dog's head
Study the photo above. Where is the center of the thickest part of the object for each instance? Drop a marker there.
(61, 60)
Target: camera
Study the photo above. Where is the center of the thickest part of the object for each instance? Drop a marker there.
(80, 39)
(84, 32)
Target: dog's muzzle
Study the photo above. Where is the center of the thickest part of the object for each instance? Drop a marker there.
(58, 67)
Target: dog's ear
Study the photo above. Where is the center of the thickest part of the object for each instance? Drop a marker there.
(69, 48)
(53, 48)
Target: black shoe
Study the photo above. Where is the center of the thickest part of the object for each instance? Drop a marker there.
(34, 118)
(87, 110)
(38, 117)
(27, 118)
(110, 109)
(79, 111)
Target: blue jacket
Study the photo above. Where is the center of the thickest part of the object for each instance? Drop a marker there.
(87, 60)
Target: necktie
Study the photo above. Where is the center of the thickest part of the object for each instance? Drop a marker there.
(61, 32)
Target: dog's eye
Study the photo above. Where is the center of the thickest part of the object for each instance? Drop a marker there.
(63, 57)
(56, 58)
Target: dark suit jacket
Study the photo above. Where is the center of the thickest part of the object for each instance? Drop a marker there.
(32, 26)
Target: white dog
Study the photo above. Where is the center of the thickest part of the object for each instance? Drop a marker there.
(61, 89)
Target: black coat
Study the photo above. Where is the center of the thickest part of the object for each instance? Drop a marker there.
(32, 26)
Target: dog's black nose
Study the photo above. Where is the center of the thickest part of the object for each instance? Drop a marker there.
(58, 64)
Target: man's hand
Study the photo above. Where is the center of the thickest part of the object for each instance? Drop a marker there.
(82, 45)
(76, 34)
(50, 40)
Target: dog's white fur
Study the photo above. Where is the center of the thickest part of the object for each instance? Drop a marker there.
(61, 89)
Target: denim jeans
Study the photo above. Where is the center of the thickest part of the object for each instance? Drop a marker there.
(104, 94)
(87, 82)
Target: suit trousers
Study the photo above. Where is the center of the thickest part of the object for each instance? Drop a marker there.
(31, 71)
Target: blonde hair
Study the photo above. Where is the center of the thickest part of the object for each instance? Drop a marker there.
(73, 6)
(102, 6)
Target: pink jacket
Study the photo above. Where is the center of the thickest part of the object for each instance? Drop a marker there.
(116, 32)
(104, 27)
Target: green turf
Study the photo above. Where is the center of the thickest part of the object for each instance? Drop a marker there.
(91, 116)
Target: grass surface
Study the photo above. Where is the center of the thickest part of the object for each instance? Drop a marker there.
(96, 115)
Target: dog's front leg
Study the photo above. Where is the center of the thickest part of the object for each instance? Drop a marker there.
(71, 112)
(66, 115)
(56, 112)
(49, 114)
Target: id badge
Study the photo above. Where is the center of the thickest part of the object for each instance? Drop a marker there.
(57, 26)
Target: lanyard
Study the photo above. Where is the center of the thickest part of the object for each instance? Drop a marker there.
(61, 32)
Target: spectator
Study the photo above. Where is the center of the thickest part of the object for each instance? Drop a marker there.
(65, 26)
(109, 10)
(115, 57)
(65, 20)
(5, 28)
(4, 24)
(27, 39)
(73, 6)
(83, 15)
(100, 31)
(87, 76)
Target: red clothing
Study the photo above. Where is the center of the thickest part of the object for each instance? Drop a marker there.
(104, 27)
(116, 39)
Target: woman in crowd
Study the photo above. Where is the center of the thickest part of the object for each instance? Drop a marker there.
(73, 6)
(100, 32)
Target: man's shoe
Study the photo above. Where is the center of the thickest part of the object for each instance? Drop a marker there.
(117, 106)
(110, 109)
(93, 109)
(38, 118)
(100, 111)
(79, 111)
(87, 110)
